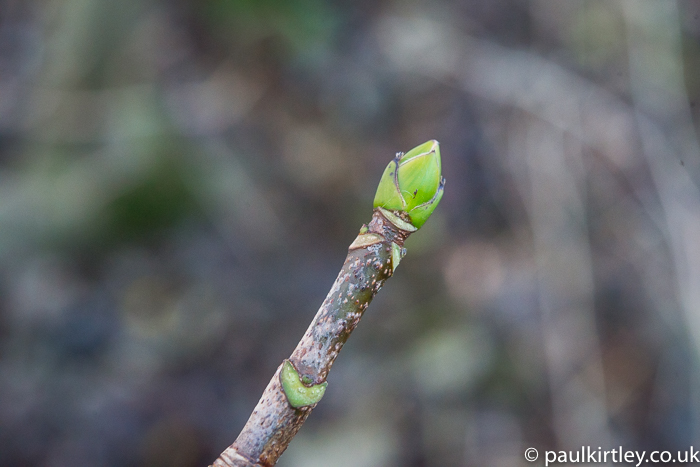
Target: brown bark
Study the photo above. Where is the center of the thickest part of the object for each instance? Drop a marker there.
(274, 422)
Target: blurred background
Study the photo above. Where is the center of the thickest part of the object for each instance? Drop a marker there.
(180, 181)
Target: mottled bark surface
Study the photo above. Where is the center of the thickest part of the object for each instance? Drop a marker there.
(274, 422)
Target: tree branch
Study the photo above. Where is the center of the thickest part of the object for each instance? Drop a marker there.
(299, 382)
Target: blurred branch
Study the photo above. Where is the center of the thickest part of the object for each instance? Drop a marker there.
(669, 139)
(571, 105)
(554, 192)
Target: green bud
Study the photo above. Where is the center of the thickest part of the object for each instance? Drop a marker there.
(299, 393)
(412, 183)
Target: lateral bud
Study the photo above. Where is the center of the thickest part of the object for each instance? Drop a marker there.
(299, 394)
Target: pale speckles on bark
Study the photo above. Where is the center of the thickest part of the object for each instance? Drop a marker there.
(274, 421)
(270, 428)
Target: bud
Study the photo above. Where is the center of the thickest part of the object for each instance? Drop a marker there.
(296, 389)
(412, 183)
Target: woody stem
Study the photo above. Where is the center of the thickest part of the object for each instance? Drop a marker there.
(371, 260)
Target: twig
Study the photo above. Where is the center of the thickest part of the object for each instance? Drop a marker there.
(408, 192)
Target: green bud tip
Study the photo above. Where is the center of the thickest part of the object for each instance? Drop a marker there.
(298, 393)
(412, 183)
